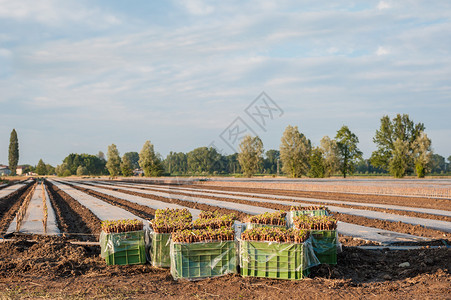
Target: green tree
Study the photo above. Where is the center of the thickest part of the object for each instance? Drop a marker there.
(94, 164)
(66, 173)
(149, 161)
(82, 171)
(271, 160)
(422, 155)
(114, 161)
(400, 158)
(133, 157)
(61, 169)
(41, 169)
(250, 155)
(438, 164)
(348, 152)
(317, 164)
(232, 165)
(50, 169)
(204, 160)
(176, 163)
(13, 154)
(449, 164)
(294, 152)
(402, 128)
(126, 166)
(329, 148)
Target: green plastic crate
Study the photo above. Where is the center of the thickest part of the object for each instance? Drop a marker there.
(324, 244)
(272, 260)
(202, 260)
(160, 250)
(126, 248)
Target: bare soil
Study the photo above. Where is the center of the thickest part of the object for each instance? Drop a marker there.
(142, 211)
(189, 204)
(437, 203)
(73, 219)
(51, 267)
(393, 226)
(391, 211)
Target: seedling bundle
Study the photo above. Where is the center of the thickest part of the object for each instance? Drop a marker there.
(316, 209)
(170, 220)
(312, 210)
(274, 234)
(315, 222)
(203, 235)
(214, 220)
(275, 219)
(118, 226)
(275, 253)
(122, 242)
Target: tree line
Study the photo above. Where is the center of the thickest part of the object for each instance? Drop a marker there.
(403, 148)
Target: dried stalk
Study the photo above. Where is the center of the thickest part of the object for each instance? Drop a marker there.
(23, 208)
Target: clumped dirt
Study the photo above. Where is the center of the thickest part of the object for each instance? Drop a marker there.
(53, 267)
(35, 267)
(9, 206)
(73, 219)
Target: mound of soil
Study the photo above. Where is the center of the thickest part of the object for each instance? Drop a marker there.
(52, 267)
(54, 257)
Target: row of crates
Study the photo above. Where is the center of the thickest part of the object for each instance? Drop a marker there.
(209, 259)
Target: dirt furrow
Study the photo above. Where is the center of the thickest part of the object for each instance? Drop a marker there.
(390, 211)
(142, 211)
(435, 203)
(73, 219)
(189, 204)
(363, 221)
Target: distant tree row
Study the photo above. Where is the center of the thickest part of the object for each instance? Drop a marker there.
(114, 165)
(403, 148)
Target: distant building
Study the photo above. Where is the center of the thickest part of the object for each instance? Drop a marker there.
(138, 172)
(4, 170)
(19, 170)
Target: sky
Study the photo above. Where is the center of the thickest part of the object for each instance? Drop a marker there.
(77, 76)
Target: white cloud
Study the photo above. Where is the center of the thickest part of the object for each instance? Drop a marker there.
(381, 51)
(5, 52)
(383, 5)
(55, 13)
(163, 81)
(197, 7)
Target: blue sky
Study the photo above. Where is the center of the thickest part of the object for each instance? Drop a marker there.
(77, 76)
